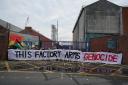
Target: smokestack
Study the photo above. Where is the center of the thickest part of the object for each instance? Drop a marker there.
(54, 33)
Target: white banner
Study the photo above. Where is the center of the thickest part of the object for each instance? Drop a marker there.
(102, 57)
(71, 55)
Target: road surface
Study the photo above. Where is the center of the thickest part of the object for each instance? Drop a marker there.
(39, 78)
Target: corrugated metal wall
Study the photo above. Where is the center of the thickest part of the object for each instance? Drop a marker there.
(82, 31)
(103, 17)
(76, 37)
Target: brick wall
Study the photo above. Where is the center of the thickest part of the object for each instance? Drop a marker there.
(125, 20)
(46, 42)
(123, 48)
(100, 44)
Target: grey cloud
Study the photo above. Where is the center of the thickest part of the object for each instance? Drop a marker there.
(43, 13)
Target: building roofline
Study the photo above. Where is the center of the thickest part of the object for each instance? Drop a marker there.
(78, 18)
(36, 32)
(86, 7)
(10, 24)
(103, 0)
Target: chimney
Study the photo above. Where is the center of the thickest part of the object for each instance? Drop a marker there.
(103, 0)
(28, 28)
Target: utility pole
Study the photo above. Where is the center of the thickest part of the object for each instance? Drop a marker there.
(8, 35)
(57, 30)
(27, 21)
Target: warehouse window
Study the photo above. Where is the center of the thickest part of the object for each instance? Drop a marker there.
(112, 43)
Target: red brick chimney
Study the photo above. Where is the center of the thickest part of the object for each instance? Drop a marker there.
(28, 28)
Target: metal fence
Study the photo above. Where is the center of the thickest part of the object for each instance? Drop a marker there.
(69, 45)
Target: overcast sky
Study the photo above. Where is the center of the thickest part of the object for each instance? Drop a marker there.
(43, 13)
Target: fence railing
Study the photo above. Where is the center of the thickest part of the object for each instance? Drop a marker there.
(71, 45)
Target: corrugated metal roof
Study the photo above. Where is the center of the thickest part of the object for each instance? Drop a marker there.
(9, 26)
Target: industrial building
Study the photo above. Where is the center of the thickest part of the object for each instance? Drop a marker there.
(6, 29)
(45, 43)
(102, 26)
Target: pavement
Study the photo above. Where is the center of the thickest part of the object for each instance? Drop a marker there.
(29, 73)
(41, 78)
